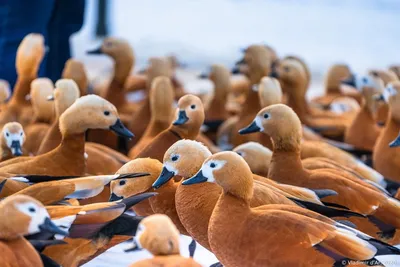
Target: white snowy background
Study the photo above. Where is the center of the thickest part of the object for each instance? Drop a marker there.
(362, 33)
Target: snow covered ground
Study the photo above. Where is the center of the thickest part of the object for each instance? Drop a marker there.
(362, 33)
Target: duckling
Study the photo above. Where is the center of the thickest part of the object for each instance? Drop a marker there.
(29, 56)
(25, 216)
(163, 203)
(189, 118)
(88, 112)
(43, 111)
(255, 65)
(216, 113)
(274, 225)
(75, 70)
(363, 131)
(12, 141)
(286, 160)
(386, 159)
(158, 234)
(5, 91)
(195, 204)
(293, 79)
(161, 105)
(333, 78)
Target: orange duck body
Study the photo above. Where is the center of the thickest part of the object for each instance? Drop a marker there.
(229, 171)
(286, 167)
(386, 159)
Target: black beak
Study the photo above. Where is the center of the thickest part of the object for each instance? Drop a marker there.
(50, 227)
(274, 74)
(197, 179)
(351, 81)
(182, 118)
(120, 129)
(135, 247)
(114, 197)
(16, 148)
(395, 142)
(96, 51)
(240, 62)
(2, 184)
(203, 75)
(379, 97)
(164, 177)
(252, 128)
(235, 70)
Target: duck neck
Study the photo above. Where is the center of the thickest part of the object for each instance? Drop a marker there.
(299, 104)
(364, 116)
(8, 234)
(186, 132)
(52, 139)
(73, 144)
(122, 69)
(285, 164)
(391, 129)
(21, 90)
(252, 103)
(220, 96)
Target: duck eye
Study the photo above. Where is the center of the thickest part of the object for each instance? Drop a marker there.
(212, 165)
(286, 68)
(106, 112)
(193, 106)
(122, 182)
(175, 158)
(7, 134)
(239, 153)
(32, 210)
(21, 134)
(266, 116)
(374, 73)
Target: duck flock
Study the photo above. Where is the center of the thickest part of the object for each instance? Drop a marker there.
(254, 172)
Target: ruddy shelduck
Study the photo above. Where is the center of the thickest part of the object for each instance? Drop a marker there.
(258, 238)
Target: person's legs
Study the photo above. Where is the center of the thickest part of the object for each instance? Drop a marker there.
(17, 19)
(67, 19)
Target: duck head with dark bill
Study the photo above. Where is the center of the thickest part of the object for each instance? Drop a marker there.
(184, 158)
(125, 188)
(157, 234)
(228, 170)
(92, 112)
(281, 123)
(13, 138)
(25, 216)
(189, 116)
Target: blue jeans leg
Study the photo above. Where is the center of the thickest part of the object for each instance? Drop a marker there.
(67, 19)
(17, 19)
